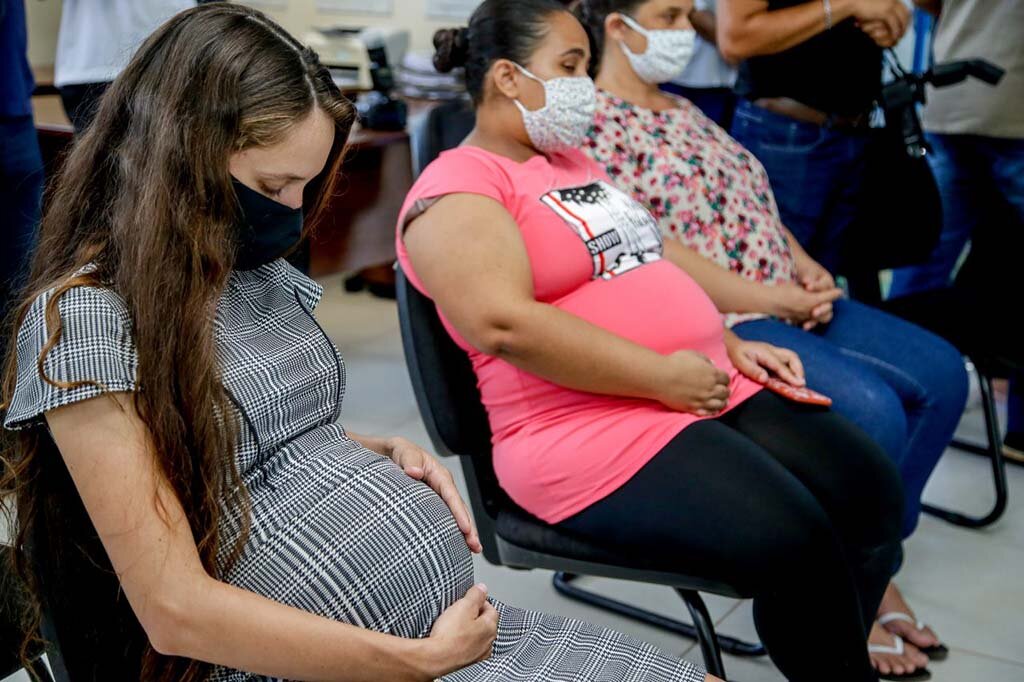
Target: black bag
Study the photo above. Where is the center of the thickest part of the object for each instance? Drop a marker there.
(899, 215)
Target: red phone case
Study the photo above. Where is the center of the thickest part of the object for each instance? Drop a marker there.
(799, 395)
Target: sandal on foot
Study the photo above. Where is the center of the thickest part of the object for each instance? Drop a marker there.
(939, 652)
(1013, 453)
(897, 649)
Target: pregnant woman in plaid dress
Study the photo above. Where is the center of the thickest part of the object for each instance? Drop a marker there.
(171, 359)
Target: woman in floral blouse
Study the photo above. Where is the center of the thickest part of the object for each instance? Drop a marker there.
(713, 200)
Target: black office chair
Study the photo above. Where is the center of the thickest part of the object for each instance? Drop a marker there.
(89, 629)
(12, 632)
(444, 127)
(953, 315)
(449, 402)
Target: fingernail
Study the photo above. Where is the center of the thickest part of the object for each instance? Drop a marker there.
(482, 586)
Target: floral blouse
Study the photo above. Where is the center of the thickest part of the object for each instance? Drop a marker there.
(705, 189)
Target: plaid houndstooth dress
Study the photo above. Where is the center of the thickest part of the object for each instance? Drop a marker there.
(336, 529)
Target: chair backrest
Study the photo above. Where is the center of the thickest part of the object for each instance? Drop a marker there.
(446, 126)
(967, 313)
(442, 377)
(11, 631)
(87, 621)
(449, 402)
(441, 374)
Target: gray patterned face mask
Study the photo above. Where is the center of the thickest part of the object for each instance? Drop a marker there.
(568, 112)
(668, 52)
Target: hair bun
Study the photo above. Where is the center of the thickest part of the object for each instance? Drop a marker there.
(451, 48)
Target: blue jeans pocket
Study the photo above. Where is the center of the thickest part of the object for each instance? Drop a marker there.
(763, 130)
(794, 138)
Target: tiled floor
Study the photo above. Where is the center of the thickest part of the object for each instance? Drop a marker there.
(967, 584)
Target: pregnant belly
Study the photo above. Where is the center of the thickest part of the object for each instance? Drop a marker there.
(657, 305)
(358, 541)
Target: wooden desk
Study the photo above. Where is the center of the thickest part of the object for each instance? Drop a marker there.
(358, 230)
(53, 130)
(43, 76)
(49, 112)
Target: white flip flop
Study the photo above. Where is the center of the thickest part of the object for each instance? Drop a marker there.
(898, 649)
(939, 652)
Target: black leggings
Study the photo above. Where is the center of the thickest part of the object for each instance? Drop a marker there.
(794, 505)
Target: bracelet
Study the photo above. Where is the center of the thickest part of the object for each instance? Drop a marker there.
(828, 14)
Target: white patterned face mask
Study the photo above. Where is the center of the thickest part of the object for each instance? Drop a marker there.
(568, 112)
(668, 52)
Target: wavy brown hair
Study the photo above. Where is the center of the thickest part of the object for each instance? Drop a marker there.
(145, 196)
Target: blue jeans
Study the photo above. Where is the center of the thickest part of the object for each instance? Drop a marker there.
(816, 174)
(21, 190)
(973, 172)
(903, 385)
(718, 104)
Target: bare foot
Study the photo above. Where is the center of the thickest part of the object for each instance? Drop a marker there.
(885, 663)
(893, 602)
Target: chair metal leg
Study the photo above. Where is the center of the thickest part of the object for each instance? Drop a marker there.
(995, 453)
(709, 647)
(983, 450)
(702, 630)
(972, 448)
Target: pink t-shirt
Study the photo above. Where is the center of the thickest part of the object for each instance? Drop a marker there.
(596, 253)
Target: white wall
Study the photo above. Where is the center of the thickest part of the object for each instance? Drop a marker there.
(43, 21)
(298, 16)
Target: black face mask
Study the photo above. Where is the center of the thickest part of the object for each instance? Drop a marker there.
(267, 229)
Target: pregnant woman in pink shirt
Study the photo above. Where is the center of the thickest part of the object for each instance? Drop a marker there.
(622, 409)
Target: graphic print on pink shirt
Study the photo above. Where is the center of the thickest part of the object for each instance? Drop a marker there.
(618, 232)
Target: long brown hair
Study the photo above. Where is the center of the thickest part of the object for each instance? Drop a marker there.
(145, 196)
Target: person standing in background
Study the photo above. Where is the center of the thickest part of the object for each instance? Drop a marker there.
(708, 79)
(21, 164)
(812, 71)
(96, 41)
(977, 136)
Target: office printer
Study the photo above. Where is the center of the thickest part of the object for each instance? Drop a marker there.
(355, 55)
